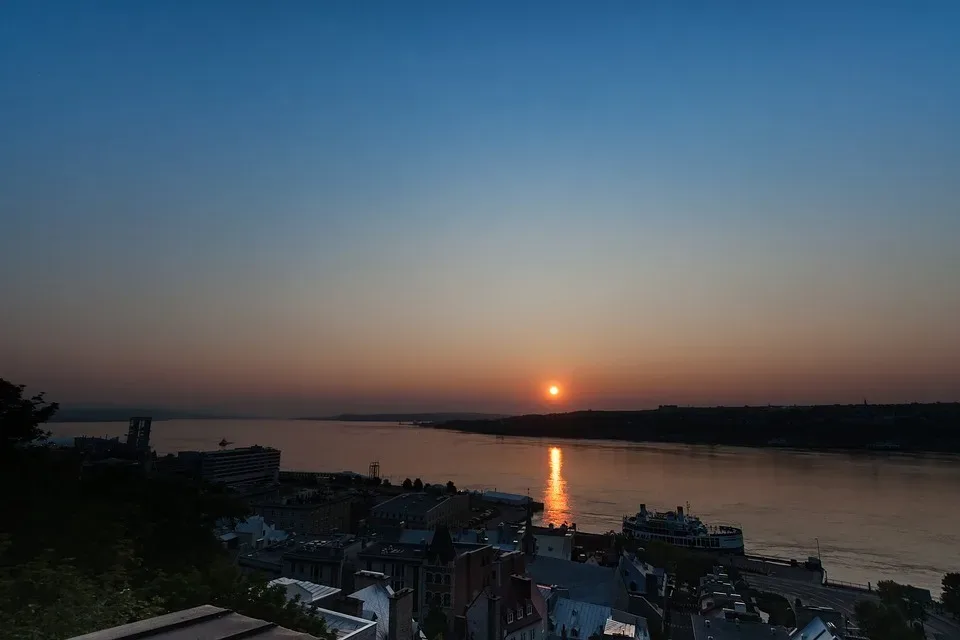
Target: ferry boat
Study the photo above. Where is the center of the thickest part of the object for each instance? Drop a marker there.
(682, 530)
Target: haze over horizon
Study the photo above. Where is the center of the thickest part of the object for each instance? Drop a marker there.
(315, 208)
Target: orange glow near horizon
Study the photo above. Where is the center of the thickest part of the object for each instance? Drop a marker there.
(554, 390)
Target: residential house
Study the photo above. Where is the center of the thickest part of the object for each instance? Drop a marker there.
(422, 511)
(308, 593)
(705, 628)
(330, 560)
(578, 620)
(511, 612)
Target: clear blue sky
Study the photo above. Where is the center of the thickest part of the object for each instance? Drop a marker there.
(438, 205)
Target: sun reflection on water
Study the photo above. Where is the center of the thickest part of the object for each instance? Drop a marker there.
(555, 504)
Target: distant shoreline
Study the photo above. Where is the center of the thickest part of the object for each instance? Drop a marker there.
(913, 428)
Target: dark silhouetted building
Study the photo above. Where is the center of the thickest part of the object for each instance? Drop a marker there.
(138, 434)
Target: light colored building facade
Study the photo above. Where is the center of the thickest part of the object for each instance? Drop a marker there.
(245, 465)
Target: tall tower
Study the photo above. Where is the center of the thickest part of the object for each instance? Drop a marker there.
(138, 433)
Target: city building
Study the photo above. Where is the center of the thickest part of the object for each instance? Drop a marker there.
(233, 467)
(422, 510)
(309, 593)
(98, 446)
(816, 629)
(444, 574)
(514, 612)
(581, 581)
(572, 619)
(207, 622)
(252, 533)
(722, 629)
(554, 542)
(330, 560)
(138, 434)
(381, 603)
(314, 515)
(510, 499)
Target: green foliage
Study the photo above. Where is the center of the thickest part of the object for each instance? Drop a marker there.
(21, 417)
(777, 607)
(951, 593)
(879, 621)
(435, 624)
(93, 548)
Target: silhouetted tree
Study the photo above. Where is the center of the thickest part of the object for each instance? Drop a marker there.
(21, 417)
(435, 624)
(386, 482)
(451, 488)
(418, 485)
(951, 593)
(407, 484)
(98, 547)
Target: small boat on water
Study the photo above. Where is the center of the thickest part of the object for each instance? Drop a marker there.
(683, 530)
(225, 442)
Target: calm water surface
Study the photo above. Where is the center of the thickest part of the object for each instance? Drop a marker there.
(876, 517)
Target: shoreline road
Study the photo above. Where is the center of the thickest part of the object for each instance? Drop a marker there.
(843, 600)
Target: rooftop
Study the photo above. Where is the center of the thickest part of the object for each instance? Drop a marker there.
(207, 622)
(720, 629)
(394, 550)
(316, 591)
(583, 620)
(376, 606)
(816, 629)
(341, 624)
(411, 504)
(586, 582)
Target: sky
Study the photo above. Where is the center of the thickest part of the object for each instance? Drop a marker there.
(302, 207)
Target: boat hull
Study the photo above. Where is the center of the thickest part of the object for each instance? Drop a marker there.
(729, 541)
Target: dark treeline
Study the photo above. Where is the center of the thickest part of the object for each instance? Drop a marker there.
(88, 546)
(904, 427)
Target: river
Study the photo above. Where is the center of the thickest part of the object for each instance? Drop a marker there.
(875, 516)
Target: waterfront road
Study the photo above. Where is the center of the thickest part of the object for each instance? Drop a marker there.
(843, 600)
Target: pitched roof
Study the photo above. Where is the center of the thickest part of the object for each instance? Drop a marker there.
(376, 606)
(441, 547)
(208, 622)
(316, 591)
(585, 582)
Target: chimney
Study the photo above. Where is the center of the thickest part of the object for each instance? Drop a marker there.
(400, 623)
(494, 627)
(364, 579)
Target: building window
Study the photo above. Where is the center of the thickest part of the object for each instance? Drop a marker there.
(519, 612)
(523, 635)
(428, 577)
(509, 616)
(446, 599)
(446, 578)
(529, 609)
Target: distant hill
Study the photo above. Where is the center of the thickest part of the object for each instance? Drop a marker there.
(122, 414)
(408, 417)
(892, 427)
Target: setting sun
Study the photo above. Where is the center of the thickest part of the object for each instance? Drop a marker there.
(554, 390)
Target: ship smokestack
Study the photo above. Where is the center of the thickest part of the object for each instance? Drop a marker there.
(680, 511)
(643, 509)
